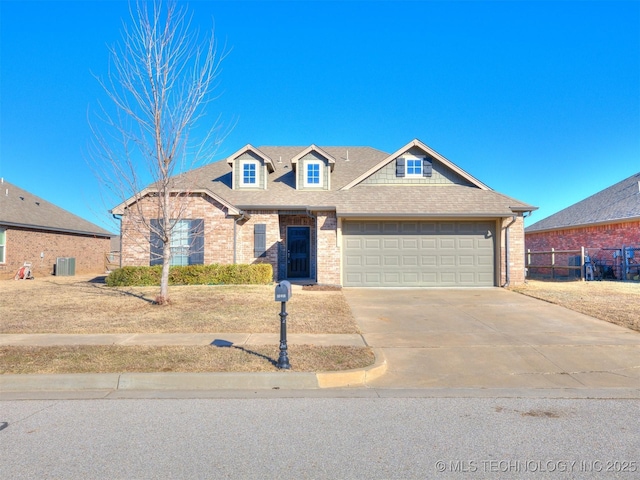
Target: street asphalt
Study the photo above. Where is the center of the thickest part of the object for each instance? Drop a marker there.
(425, 340)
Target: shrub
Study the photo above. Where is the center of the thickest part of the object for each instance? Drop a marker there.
(215, 274)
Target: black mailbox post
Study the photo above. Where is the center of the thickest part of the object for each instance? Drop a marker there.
(283, 294)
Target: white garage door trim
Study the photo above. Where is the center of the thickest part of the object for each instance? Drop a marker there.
(385, 253)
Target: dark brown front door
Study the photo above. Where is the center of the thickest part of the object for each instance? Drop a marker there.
(298, 252)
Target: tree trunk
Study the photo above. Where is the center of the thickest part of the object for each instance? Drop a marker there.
(163, 298)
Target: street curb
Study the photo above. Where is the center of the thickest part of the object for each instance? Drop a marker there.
(193, 381)
(357, 377)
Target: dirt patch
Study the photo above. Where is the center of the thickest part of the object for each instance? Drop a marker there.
(85, 305)
(614, 302)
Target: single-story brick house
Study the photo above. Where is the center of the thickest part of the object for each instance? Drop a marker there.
(609, 219)
(36, 231)
(351, 216)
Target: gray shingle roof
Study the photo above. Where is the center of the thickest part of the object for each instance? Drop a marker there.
(361, 199)
(23, 209)
(619, 202)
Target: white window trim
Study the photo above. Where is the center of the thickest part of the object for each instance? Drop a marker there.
(257, 165)
(406, 165)
(320, 174)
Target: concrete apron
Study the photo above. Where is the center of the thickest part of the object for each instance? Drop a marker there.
(491, 338)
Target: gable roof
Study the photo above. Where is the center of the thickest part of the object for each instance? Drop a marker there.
(250, 148)
(346, 194)
(319, 151)
(417, 143)
(619, 202)
(19, 208)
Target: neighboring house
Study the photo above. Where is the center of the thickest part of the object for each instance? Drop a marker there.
(35, 231)
(610, 219)
(351, 216)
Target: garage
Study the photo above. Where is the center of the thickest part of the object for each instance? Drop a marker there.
(418, 253)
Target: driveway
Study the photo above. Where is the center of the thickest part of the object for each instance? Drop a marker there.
(491, 338)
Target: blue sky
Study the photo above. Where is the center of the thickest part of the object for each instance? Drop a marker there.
(539, 100)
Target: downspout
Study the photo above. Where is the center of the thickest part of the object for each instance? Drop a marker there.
(239, 218)
(506, 253)
(315, 225)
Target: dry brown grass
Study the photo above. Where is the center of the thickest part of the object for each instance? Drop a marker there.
(143, 359)
(615, 302)
(80, 305)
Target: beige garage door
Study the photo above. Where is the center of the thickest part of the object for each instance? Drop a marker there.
(418, 253)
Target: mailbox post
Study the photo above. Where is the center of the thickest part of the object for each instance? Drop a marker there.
(283, 294)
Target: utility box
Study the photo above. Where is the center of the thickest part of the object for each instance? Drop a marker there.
(283, 291)
(65, 267)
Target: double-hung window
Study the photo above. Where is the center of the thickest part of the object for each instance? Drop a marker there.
(186, 244)
(249, 173)
(312, 174)
(3, 245)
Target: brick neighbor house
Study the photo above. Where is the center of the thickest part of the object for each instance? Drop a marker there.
(36, 231)
(351, 216)
(603, 224)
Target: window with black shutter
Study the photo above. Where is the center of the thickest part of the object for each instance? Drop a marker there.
(259, 239)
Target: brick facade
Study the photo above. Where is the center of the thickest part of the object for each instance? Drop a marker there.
(325, 249)
(516, 251)
(595, 239)
(613, 235)
(26, 245)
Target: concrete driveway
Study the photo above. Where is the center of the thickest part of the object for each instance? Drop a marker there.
(491, 338)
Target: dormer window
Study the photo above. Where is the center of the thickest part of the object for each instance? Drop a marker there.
(312, 174)
(414, 166)
(249, 172)
(250, 168)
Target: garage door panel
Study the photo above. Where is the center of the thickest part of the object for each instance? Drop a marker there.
(447, 260)
(371, 260)
(409, 261)
(467, 277)
(466, 260)
(447, 243)
(426, 253)
(409, 243)
(391, 260)
(467, 243)
(428, 260)
(391, 243)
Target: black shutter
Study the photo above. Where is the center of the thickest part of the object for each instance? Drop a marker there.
(259, 239)
(155, 243)
(400, 167)
(426, 167)
(196, 242)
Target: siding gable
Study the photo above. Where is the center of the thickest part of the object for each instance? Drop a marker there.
(394, 174)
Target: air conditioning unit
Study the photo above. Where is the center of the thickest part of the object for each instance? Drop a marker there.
(65, 267)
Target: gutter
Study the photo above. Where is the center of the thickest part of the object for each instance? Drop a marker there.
(242, 216)
(54, 229)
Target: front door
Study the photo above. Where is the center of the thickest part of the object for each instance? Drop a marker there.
(298, 252)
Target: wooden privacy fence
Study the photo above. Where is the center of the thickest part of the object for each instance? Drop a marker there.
(553, 265)
(585, 263)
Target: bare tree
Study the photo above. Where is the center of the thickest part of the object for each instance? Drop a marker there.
(161, 77)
